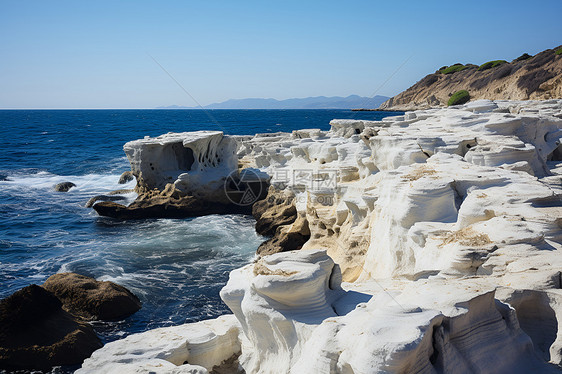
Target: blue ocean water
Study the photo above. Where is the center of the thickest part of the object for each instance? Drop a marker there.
(176, 267)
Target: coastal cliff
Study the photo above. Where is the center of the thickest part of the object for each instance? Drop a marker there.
(528, 77)
(430, 243)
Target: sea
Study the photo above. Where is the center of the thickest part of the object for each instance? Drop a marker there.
(175, 266)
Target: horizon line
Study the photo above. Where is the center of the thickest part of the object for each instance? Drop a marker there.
(179, 108)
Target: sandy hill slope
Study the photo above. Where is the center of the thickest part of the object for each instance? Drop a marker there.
(536, 77)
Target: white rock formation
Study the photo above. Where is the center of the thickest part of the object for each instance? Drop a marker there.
(446, 225)
(301, 285)
(195, 162)
(190, 348)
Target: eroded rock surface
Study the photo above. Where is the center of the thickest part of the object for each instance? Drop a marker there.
(277, 209)
(277, 216)
(185, 175)
(445, 226)
(191, 161)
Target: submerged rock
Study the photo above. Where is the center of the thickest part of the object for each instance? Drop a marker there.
(121, 192)
(64, 186)
(92, 299)
(36, 333)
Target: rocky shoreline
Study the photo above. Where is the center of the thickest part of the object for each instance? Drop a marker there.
(45, 326)
(428, 242)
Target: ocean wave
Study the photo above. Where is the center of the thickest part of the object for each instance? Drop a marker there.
(43, 180)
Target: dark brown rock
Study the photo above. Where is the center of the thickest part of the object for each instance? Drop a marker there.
(126, 177)
(287, 238)
(36, 333)
(121, 192)
(172, 203)
(90, 203)
(277, 209)
(91, 299)
(64, 186)
(187, 206)
(277, 216)
(229, 366)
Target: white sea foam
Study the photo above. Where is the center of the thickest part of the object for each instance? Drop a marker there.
(84, 183)
(42, 184)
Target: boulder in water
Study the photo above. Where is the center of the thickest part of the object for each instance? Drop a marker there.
(92, 299)
(95, 199)
(126, 177)
(64, 186)
(36, 333)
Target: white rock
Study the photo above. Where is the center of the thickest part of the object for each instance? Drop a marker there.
(189, 348)
(481, 106)
(279, 301)
(424, 216)
(196, 162)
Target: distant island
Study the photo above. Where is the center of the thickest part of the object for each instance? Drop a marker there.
(318, 102)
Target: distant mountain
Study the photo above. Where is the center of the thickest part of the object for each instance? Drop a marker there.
(318, 102)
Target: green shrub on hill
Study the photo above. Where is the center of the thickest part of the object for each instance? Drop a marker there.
(458, 98)
(523, 57)
(559, 51)
(451, 69)
(491, 64)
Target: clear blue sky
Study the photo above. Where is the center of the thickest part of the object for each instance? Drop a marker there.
(94, 54)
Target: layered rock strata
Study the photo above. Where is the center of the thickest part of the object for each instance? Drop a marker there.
(445, 226)
(276, 216)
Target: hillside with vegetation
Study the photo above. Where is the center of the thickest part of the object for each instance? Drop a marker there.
(527, 77)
